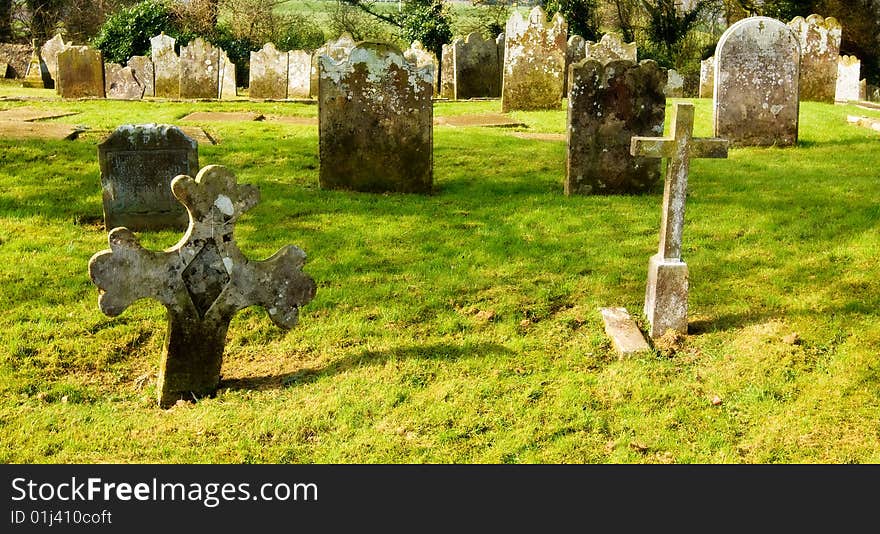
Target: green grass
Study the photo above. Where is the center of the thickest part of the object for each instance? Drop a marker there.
(463, 326)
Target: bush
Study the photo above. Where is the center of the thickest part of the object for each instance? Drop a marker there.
(127, 32)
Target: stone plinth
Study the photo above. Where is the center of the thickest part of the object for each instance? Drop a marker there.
(534, 61)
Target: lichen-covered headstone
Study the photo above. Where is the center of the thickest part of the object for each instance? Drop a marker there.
(37, 75)
(81, 72)
(534, 61)
(476, 67)
(202, 281)
(819, 39)
(674, 84)
(138, 162)
(575, 51)
(228, 86)
(848, 74)
(418, 56)
(337, 50)
(49, 52)
(863, 89)
(144, 73)
(166, 65)
(375, 122)
(666, 295)
(611, 47)
(608, 105)
(756, 98)
(447, 72)
(299, 69)
(707, 77)
(268, 73)
(120, 83)
(199, 70)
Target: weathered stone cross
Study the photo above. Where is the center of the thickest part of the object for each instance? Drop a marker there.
(202, 281)
(667, 292)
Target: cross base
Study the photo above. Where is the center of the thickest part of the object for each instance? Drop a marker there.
(666, 297)
(191, 361)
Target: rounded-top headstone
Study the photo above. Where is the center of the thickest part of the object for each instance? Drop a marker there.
(819, 39)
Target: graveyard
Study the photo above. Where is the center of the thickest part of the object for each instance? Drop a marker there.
(368, 266)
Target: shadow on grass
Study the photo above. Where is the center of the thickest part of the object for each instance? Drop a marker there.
(436, 351)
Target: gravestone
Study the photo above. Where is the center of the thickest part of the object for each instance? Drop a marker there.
(337, 50)
(666, 295)
(37, 75)
(674, 84)
(707, 77)
(202, 281)
(228, 85)
(199, 70)
(475, 61)
(120, 83)
(819, 39)
(447, 72)
(418, 56)
(138, 162)
(756, 84)
(4, 70)
(375, 122)
(16, 57)
(611, 48)
(49, 52)
(144, 73)
(607, 106)
(575, 51)
(863, 89)
(268, 73)
(166, 66)
(299, 67)
(499, 42)
(534, 60)
(80, 73)
(848, 73)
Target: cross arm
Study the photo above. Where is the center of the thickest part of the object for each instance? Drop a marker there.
(652, 147)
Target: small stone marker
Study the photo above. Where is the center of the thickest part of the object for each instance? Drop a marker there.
(80, 73)
(199, 70)
(534, 59)
(819, 39)
(166, 65)
(268, 73)
(121, 84)
(375, 122)
(666, 297)
(848, 73)
(756, 97)
(624, 334)
(299, 68)
(228, 85)
(37, 74)
(202, 281)
(475, 64)
(144, 73)
(138, 162)
(49, 53)
(707, 77)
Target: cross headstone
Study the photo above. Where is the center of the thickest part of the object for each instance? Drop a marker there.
(202, 281)
(666, 297)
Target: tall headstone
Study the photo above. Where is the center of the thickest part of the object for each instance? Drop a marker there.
(337, 50)
(202, 281)
(166, 65)
(819, 39)
(120, 83)
(418, 56)
(499, 42)
(142, 68)
(611, 47)
(447, 72)
(299, 68)
(199, 70)
(756, 84)
(848, 74)
(666, 296)
(534, 61)
(375, 122)
(37, 75)
(49, 53)
(81, 72)
(575, 51)
(138, 162)
(863, 89)
(228, 86)
(608, 105)
(476, 67)
(707, 77)
(268, 73)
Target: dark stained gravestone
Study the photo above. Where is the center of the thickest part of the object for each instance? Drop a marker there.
(80, 73)
(375, 122)
(199, 70)
(477, 71)
(166, 66)
(138, 162)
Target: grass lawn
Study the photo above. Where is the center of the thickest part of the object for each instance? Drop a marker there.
(463, 326)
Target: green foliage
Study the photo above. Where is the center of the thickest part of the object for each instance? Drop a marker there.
(427, 21)
(582, 16)
(300, 34)
(127, 32)
(668, 26)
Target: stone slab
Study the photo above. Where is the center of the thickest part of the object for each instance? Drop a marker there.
(199, 135)
(625, 335)
(221, 116)
(301, 121)
(28, 114)
(37, 130)
(540, 136)
(866, 122)
(666, 296)
(496, 120)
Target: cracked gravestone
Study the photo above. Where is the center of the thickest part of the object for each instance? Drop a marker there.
(608, 104)
(534, 59)
(199, 70)
(121, 84)
(138, 163)
(166, 66)
(144, 73)
(375, 122)
(228, 86)
(202, 281)
(80, 73)
(756, 98)
(819, 39)
(666, 295)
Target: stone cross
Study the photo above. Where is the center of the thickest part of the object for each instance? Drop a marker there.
(667, 291)
(202, 281)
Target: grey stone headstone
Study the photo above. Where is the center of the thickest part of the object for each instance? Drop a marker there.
(707, 77)
(674, 84)
(848, 75)
(534, 61)
(607, 106)
(268, 74)
(120, 83)
(166, 65)
(575, 52)
(819, 39)
(199, 70)
(756, 96)
(476, 67)
(611, 47)
(447, 72)
(337, 50)
(418, 56)
(228, 86)
(138, 162)
(375, 122)
(80, 73)
(299, 69)
(144, 73)
(49, 53)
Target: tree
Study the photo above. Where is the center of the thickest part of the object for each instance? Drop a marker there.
(427, 21)
(5, 21)
(582, 16)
